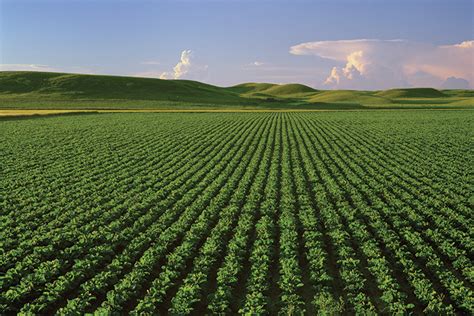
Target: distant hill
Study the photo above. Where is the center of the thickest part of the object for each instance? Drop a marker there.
(352, 96)
(250, 87)
(411, 93)
(272, 90)
(62, 90)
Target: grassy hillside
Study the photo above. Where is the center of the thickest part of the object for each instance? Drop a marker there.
(109, 87)
(40, 90)
(293, 90)
(250, 88)
(351, 96)
(411, 93)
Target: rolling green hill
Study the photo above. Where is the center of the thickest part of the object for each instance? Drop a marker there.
(109, 87)
(272, 90)
(250, 87)
(411, 93)
(42, 90)
(351, 96)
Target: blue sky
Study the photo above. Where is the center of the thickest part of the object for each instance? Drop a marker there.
(320, 43)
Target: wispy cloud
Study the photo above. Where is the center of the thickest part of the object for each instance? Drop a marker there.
(150, 62)
(146, 74)
(256, 64)
(27, 67)
(45, 68)
(381, 64)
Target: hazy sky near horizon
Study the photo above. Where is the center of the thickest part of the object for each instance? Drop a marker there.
(346, 44)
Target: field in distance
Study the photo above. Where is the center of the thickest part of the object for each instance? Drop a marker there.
(59, 91)
(192, 213)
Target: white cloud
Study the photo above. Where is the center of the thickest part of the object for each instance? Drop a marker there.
(382, 64)
(185, 68)
(165, 75)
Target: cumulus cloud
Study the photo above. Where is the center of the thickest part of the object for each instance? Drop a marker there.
(382, 64)
(185, 68)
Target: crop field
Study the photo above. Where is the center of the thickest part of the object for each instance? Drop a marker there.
(226, 213)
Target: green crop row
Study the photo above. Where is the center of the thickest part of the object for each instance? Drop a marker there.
(237, 213)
